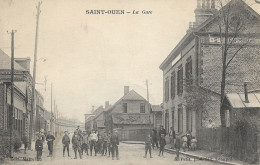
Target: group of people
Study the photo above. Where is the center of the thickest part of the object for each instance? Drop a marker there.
(89, 142)
(177, 141)
(41, 138)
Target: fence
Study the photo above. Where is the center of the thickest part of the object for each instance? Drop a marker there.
(238, 143)
(133, 135)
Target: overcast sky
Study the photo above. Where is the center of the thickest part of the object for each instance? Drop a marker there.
(90, 58)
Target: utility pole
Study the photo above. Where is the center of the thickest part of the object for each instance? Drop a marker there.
(149, 106)
(34, 73)
(52, 116)
(12, 95)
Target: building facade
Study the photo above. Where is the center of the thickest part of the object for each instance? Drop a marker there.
(131, 115)
(197, 61)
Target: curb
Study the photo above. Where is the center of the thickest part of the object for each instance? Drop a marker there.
(201, 157)
(187, 154)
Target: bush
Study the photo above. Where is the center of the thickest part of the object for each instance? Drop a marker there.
(17, 141)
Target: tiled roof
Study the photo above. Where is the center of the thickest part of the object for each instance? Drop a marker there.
(5, 62)
(132, 95)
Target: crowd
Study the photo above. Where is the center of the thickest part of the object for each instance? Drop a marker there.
(92, 143)
(177, 141)
(106, 144)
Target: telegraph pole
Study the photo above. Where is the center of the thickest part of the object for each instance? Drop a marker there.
(52, 119)
(12, 95)
(34, 73)
(149, 106)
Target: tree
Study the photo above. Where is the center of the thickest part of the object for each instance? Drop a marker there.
(234, 36)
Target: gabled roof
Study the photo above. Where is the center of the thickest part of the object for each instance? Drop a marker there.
(132, 95)
(5, 62)
(190, 34)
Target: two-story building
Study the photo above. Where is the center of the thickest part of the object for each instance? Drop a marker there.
(131, 115)
(197, 59)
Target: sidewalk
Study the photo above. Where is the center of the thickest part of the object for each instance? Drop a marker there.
(200, 155)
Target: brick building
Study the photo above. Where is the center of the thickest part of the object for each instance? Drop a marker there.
(22, 96)
(198, 57)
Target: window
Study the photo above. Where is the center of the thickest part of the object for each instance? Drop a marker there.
(167, 120)
(180, 80)
(173, 108)
(173, 85)
(167, 89)
(142, 108)
(188, 71)
(124, 107)
(189, 120)
(180, 118)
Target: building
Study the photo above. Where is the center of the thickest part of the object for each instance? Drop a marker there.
(131, 115)
(157, 115)
(197, 60)
(22, 97)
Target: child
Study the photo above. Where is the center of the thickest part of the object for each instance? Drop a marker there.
(193, 144)
(162, 143)
(38, 147)
(109, 147)
(148, 143)
(189, 137)
(178, 144)
(184, 142)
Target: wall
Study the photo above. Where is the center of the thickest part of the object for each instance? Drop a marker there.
(187, 51)
(132, 107)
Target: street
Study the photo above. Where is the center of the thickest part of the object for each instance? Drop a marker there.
(129, 154)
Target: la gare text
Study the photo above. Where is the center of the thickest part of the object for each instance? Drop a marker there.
(114, 12)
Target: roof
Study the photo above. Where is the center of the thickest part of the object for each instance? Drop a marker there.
(21, 86)
(132, 95)
(157, 108)
(237, 100)
(190, 34)
(119, 118)
(5, 62)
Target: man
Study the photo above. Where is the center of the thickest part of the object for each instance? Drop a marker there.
(66, 143)
(211, 124)
(162, 131)
(172, 137)
(114, 143)
(154, 138)
(84, 146)
(93, 140)
(76, 144)
(50, 138)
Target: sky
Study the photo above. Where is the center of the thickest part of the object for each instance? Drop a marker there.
(90, 58)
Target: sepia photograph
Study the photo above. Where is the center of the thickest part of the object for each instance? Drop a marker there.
(130, 82)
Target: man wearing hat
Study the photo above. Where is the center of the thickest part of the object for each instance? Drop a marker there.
(178, 144)
(76, 143)
(114, 143)
(66, 143)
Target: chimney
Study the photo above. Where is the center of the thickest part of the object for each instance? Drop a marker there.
(106, 104)
(93, 109)
(126, 89)
(246, 93)
(24, 62)
(205, 9)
